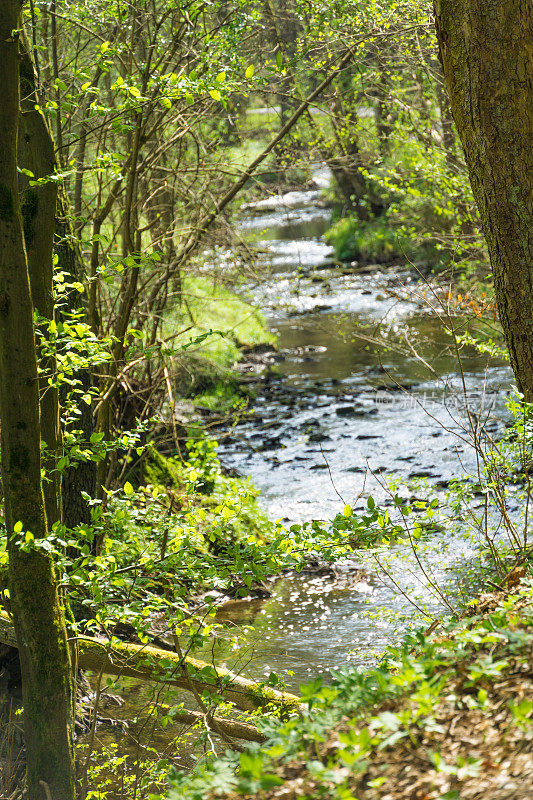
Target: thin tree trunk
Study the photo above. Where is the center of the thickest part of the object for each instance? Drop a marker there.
(486, 49)
(38, 204)
(39, 619)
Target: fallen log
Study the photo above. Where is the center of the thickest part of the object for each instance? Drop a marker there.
(152, 664)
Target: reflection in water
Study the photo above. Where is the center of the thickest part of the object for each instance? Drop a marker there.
(305, 613)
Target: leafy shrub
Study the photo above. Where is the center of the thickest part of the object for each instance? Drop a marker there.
(380, 242)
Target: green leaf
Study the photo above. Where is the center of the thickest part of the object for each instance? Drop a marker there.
(269, 779)
(252, 764)
(215, 94)
(128, 488)
(279, 59)
(249, 72)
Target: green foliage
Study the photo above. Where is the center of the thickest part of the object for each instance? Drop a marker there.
(365, 712)
(372, 528)
(112, 766)
(162, 547)
(388, 239)
(369, 242)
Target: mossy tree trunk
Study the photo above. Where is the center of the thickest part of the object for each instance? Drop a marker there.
(38, 616)
(38, 203)
(486, 50)
(63, 498)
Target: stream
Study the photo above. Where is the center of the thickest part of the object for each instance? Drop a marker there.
(363, 387)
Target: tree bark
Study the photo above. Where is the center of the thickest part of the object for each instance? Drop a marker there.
(230, 727)
(45, 214)
(486, 50)
(151, 663)
(38, 616)
(38, 205)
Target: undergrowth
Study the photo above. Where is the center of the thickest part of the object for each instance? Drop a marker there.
(221, 322)
(367, 725)
(380, 241)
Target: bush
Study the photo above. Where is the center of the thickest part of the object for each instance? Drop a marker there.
(379, 242)
(364, 241)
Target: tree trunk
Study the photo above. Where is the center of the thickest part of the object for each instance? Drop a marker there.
(39, 619)
(486, 49)
(45, 213)
(38, 204)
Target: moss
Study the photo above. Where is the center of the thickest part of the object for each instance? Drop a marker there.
(162, 471)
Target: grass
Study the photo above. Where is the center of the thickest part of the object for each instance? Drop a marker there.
(209, 330)
(210, 306)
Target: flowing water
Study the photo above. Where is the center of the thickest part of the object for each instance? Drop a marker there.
(364, 386)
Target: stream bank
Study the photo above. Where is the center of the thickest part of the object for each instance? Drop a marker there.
(361, 385)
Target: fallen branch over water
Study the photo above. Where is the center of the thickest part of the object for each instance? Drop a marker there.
(152, 664)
